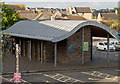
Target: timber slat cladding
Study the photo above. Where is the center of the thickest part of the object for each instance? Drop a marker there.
(39, 53)
(24, 47)
(44, 52)
(28, 49)
(34, 50)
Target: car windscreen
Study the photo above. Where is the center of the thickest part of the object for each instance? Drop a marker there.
(106, 43)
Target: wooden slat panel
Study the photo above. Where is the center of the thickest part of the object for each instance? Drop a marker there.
(39, 51)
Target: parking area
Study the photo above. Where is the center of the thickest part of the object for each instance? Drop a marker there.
(113, 55)
(108, 76)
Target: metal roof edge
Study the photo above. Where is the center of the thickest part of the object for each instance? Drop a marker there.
(30, 37)
(92, 23)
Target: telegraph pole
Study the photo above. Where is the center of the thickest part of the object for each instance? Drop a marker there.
(17, 58)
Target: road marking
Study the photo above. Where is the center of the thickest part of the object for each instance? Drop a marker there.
(5, 78)
(117, 70)
(100, 75)
(93, 79)
(12, 80)
(115, 77)
(62, 78)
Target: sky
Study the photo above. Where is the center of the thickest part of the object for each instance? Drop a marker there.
(60, 0)
(94, 4)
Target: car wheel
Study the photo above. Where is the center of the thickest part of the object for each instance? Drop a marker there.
(97, 49)
(105, 49)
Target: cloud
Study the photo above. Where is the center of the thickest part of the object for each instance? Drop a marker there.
(60, 0)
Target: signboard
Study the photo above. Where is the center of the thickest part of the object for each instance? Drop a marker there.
(17, 77)
(71, 48)
(85, 46)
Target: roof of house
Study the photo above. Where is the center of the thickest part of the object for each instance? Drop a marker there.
(35, 16)
(24, 11)
(75, 17)
(107, 16)
(64, 12)
(83, 10)
(29, 16)
(60, 13)
(53, 31)
(17, 7)
(44, 16)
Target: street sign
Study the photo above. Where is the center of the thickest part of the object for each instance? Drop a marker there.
(17, 77)
(85, 46)
(71, 48)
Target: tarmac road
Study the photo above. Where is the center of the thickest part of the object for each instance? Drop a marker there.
(67, 77)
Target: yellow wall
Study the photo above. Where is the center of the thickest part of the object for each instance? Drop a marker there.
(86, 15)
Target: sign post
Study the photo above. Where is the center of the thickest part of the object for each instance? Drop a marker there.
(85, 46)
(17, 75)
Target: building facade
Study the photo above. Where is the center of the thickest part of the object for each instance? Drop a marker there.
(58, 41)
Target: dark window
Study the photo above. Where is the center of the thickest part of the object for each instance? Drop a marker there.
(100, 43)
(112, 42)
(73, 12)
(83, 13)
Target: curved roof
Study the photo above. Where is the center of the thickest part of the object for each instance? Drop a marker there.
(53, 31)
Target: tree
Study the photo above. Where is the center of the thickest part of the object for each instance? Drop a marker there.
(9, 17)
(119, 14)
(118, 27)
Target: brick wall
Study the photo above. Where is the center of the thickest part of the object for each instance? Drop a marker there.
(48, 51)
(67, 55)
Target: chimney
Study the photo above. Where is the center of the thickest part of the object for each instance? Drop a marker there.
(52, 18)
(116, 12)
(70, 10)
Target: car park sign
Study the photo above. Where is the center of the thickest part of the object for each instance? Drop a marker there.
(85, 46)
(17, 77)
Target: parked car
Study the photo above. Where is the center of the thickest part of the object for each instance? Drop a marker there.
(116, 43)
(103, 46)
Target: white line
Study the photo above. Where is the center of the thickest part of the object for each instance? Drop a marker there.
(100, 74)
(117, 70)
(63, 77)
(5, 79)
(115, 77)
(107, 76)
(67, 79)
(93, 74)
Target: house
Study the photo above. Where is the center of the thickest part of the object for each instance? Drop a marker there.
(17, 7)
(28, 16)
(61, 13)
(78, 18)
(35, 16)
(44, 16)
(58, 41)
(86, 12)
(65, 15)
(106, 16)
(24, 11)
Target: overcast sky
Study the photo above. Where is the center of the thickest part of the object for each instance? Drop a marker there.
(60, 0)
(95, 4)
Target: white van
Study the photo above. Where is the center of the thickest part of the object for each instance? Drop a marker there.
(103, 46)
(116, 43)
